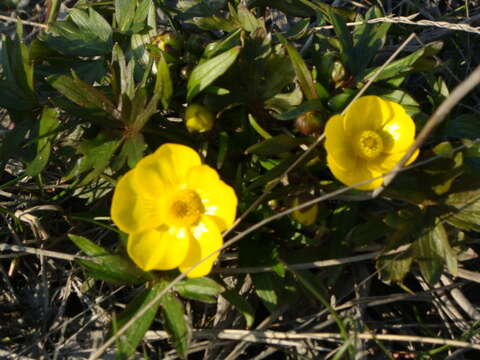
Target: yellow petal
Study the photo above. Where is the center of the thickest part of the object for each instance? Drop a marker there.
(165, 169)
(387, 162)
(206, 239)
(163, 248)
(413, 157)
(337, 143)
(398, 132)
(354, 175)
(218, 199)
(367, 113)
(130, 211)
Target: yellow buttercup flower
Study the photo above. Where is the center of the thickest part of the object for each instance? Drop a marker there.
(173, 209)
(368, 141)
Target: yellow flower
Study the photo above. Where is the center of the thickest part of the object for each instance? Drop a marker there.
(368, 141)
(198, 118)
(306, 216)
(173, 209)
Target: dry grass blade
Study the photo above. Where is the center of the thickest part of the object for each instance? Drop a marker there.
(463, 26)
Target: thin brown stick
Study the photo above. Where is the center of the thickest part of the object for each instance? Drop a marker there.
(314, 264)
(24, 22)
(407, 20)
(40, 252)
(262, 336)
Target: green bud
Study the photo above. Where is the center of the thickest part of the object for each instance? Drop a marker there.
(309, 123)
(338, 72)
(168, 42)
(306, 216)
(198, 118)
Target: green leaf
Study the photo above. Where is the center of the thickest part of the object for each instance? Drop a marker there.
(411, 106)
(241, 304)
(87, 246)
(275, 172)
(82, 93)
(16, 75)
(207, 72)
(394, 268)
(368, 39)
(215, 23)
(129, 341)
(404, 65)
(202, 289)
(247, 20)
(432, 250)
(114, 269)
(48, 123)
(464, 210)
(163, 83)
(298, 30)
(53, 8)
(124, 13)
(83, 33)
(465, 126)
(299, 110)
(275, 145)
(344, 37)
(214, 48)
(134, 147)
(97, 155)
(284, 102)
(303, 74)
(265, 289)
(256, 126)
(104, 266)
(175, 323)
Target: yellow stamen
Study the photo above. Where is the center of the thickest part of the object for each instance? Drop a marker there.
(186, 208)
(369, 145)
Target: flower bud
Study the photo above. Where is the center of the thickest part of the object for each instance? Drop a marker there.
(338, 72)
(309, 123)
(305, 216)
(168, 42)
(198, 118)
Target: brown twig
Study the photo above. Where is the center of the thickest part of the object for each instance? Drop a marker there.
(24, 22)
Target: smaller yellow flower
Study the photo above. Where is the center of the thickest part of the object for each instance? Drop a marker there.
(368, 141)
(198, 118)
(173, 209)
(306, 216)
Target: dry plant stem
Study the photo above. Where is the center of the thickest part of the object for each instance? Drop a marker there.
(40, 252)
(438, 116)
(263, 336)
(408, 21)
(314, 264)
(24, 22)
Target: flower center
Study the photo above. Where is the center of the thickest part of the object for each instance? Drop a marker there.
(369, 145)
(186, 208)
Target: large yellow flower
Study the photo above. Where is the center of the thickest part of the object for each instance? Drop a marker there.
(174, 209)
(368, 141)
